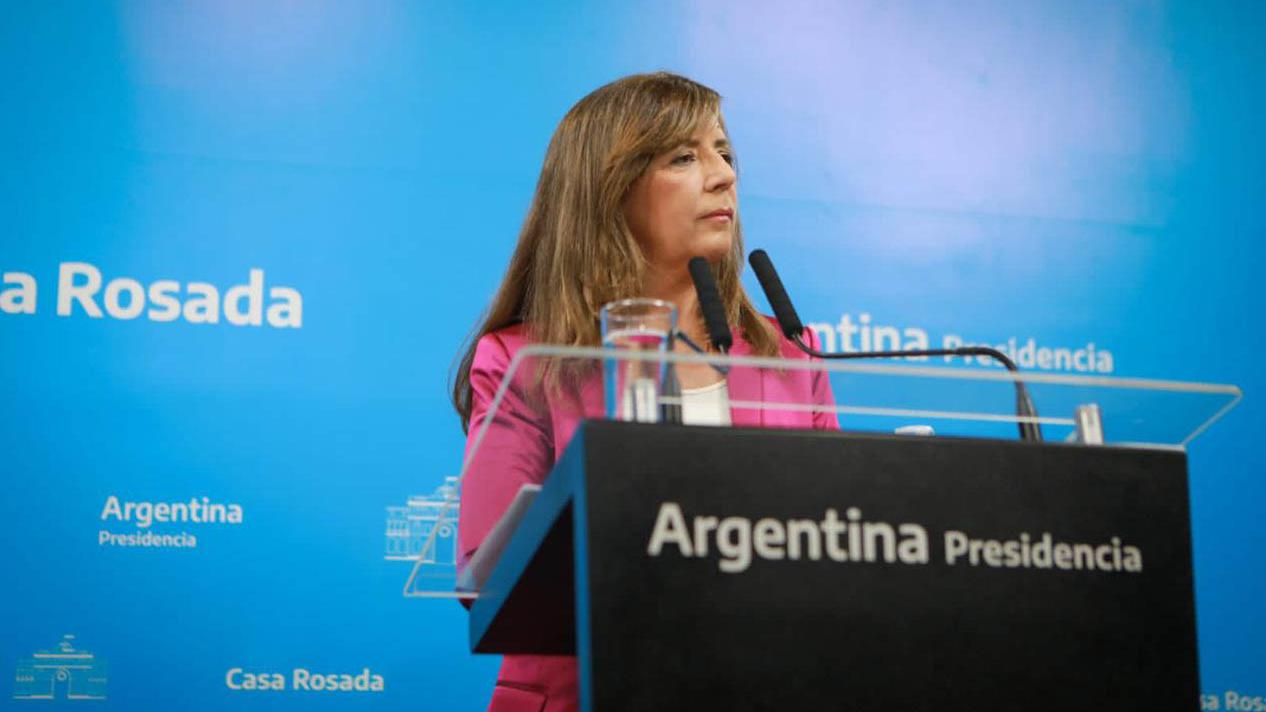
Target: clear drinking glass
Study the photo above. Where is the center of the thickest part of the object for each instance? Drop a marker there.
(632, 387)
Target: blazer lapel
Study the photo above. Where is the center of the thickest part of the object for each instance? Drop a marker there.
(745, 383)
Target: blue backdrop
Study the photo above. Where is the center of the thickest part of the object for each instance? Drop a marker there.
(206, 468)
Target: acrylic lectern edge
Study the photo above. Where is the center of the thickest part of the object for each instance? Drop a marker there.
(538, 522)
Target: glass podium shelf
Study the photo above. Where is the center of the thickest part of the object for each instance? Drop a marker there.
(545, 388)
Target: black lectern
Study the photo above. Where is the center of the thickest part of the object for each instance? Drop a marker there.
(713, 568)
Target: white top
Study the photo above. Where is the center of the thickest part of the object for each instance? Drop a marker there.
(709, 405)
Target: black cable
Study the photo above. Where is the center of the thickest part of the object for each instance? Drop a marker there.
(1030, 430)
(793, 328)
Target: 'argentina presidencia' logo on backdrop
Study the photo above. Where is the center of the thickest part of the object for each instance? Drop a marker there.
(861, 334)
(172, 525)
(60, 673)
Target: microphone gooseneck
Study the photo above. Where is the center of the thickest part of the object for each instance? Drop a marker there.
(690, 343)
(670, 388)
(710, 304)
(791, 326)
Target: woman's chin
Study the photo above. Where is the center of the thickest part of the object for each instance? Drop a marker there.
(713, 247)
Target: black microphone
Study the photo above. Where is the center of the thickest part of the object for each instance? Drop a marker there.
(771, 285)
(791, 326)
(710, 304)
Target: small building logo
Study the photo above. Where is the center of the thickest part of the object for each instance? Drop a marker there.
(61, 673)
(425, 529)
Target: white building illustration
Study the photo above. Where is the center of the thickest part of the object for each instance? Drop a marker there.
(61, 673)
(425, 529)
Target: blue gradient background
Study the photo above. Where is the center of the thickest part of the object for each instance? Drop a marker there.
(1072, 171)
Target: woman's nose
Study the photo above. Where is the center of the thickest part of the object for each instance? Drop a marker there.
(720, 174)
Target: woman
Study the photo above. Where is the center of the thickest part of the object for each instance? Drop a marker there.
(638, 179)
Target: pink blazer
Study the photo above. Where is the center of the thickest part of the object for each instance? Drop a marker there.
(527, 436)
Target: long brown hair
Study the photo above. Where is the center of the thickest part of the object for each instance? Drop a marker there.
(575, 251)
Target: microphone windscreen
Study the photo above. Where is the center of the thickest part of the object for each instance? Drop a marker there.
(710, 304)
(786, 315)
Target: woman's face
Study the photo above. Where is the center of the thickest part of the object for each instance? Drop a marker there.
(685, 204)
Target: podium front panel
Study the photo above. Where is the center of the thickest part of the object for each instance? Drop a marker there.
(759, 569)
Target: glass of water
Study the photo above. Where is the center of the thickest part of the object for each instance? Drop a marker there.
(632, 386)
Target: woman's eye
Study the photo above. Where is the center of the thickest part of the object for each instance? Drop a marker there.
(728, 158)
(684, 158)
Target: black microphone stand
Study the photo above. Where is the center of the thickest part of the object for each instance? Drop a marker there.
(672, 386)
(793, 329)
(1029, 428)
